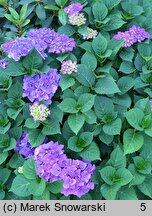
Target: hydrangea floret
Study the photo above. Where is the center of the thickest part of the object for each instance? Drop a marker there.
(39, 112)
(23, 146)
(68, 67)
(3, 63)
(52, 164)
(41, 87)
(133, 35)
(89, 34)
(73, 8)
(77, 19)
(40, 39)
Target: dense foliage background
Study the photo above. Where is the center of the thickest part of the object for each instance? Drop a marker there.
(101, 113)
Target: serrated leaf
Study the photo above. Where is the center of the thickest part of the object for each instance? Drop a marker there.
(76, 122)
(106, 85)
(132, 141)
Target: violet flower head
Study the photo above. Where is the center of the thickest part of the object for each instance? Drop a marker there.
(76, 177)
(73, 8)
(41, 39)
(52, 165)
(151, 104)
(50, 159)
(68, 67)
(23, 147)
(3, 63)
(134, 35)
(41, 87)
(17, 48)
(61, 44)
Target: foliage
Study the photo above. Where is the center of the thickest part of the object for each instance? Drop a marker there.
(100, 113)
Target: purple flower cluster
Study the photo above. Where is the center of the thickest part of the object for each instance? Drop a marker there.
(61, 44)
(133, 35)
(23, 146)
(76, 176)
(52, 164)
(151, 104)
(73, 8)
(40, 39)
(3, 63)
(41, 87)
(17, 48)
(50, 159)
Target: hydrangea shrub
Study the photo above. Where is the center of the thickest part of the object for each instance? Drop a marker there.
(75, 100)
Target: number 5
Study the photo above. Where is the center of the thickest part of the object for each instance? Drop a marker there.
(143, 207)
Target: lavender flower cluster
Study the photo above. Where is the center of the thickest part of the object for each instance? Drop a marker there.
(41, 87)
(40, 39)
(74, 8)
(52, 164)
(23, 146)
(133, 35)
(151, 104)
(3, 63)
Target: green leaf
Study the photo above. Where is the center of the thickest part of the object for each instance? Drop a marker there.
(143, 166)
(90, 117)
(51, 7)
(3, 156)
(105, 138)
(103, 106)
(127, 67)
(113, 128)
(137, 177)
(85, 139)
(30, 123)
(13, 69)
(109, 192)
(125, 83)
(132, 141)
(63, 16)
(107, 174)
(126, 193)
(66, 82)
(56, 187)
(99, 45)
(100, 11)
(23, 11)
(124, 176)
(89, 60)
(68, 105)
(146, 186)
(52, 127)
(14, 14)
(72, 144)
(85, 76)
(117, 159)
(61, 3)
(13, 113)
(106, 85)
(76, 122)
(29, 169)
(114, 23)
(91, 152)
(111, 3)
(36, 137)
(33, 60)
(86, 101)
(5, 173)
(37, 187)
(135, 117)
(40, 12)
(20, 186)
